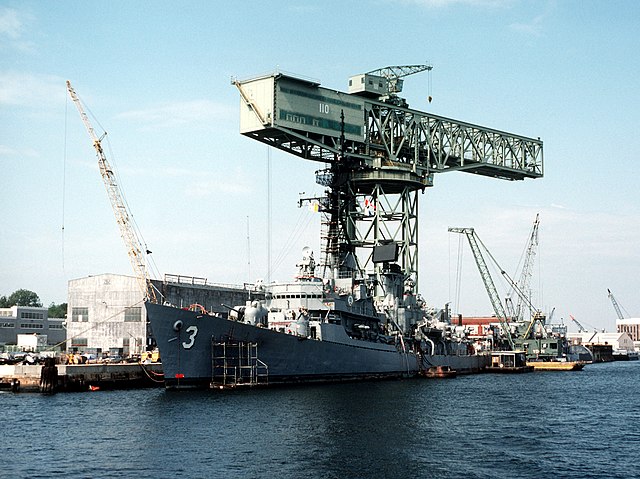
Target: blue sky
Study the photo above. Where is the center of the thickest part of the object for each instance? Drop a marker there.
(156, 75)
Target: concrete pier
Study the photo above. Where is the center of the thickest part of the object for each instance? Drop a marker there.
(80, 377)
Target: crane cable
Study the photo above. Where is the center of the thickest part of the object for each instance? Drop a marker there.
(301, 225)
(64, 173)
(458, 274)
(136, 229)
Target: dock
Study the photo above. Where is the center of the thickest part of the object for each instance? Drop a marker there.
(80, 377)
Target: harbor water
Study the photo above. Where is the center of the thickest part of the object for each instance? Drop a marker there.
(552, 424)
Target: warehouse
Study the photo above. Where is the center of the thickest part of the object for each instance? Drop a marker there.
(106, 314)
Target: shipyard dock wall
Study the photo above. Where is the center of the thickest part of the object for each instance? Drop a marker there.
(80, 377)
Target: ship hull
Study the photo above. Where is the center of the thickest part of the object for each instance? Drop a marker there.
(201, 351)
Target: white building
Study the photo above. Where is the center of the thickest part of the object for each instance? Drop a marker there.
(631, 326)
(106, 315)
(106, 312)
(618, 341)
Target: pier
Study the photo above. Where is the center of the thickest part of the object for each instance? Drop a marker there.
(51, 378)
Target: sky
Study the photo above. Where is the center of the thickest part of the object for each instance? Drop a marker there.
(156, 75)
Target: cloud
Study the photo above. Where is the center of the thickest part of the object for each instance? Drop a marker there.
(12, 152)
(206, 187)
(31, 90)
(12, 24)
(173, 114)
(453, 3)
(532, 28)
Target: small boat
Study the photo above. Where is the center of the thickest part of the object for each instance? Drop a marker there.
(625, 355)
(439, 372)
(509, 362)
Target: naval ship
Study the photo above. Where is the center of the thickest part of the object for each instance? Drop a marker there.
(309, 330)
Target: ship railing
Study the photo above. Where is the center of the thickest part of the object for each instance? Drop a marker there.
(196, 281)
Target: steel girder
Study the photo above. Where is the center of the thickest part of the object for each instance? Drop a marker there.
(429, 143)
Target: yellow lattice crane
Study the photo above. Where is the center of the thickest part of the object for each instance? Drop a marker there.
(135, 250)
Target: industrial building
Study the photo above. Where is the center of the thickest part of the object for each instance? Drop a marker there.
(619, 342)
(631, 326)
(28, 320)
(106, 314)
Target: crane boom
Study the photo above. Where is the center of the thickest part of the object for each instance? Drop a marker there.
(394, 75)
(616, 306)
(581, 328)
(498, 308)
(525, 275)
(135, 251)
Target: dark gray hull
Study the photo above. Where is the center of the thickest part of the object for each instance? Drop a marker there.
(198, 350)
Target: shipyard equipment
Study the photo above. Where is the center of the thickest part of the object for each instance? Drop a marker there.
(524, 282)
(135, 250)
(540, 340)
(581, 328)
(616, 306)
(378, 155)
(487, 280)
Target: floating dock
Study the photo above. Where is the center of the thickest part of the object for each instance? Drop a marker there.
(557, 365)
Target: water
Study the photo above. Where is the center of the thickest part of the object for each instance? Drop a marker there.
(563, 424)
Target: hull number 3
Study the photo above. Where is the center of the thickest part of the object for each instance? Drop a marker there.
(192, 331)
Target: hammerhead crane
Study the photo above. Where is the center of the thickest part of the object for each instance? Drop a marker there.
(378, 155)
(136, 252)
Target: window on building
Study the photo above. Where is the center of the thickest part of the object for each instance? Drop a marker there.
(31, 315)
(31, 325)
(132, 315)
(7, 325)
(79, 342)
(80, 315)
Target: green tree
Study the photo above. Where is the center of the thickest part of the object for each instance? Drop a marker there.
(23, 297)
(3, 302)
(58, 310)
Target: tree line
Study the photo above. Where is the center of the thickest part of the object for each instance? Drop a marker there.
(24, 297)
